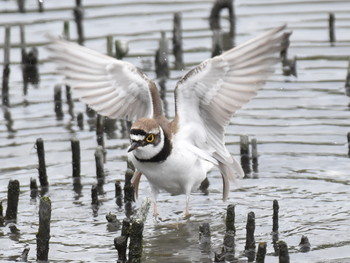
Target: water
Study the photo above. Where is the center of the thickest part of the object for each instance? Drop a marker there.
(300, 124)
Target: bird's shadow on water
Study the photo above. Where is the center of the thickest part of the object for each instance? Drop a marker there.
(173, 241)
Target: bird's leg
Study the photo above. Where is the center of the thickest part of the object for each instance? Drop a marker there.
(187, 211)
(155, 208)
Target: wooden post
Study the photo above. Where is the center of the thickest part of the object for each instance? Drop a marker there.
(283, 252)
(255, 164)
(304, 244)
(78, 17)
(42, 165)
(43, 235)
(260, 256)
(75, 146)
(12, 201)
(205, 238)
(347, 81)
(250, 239)
(230, 233)
(58, 101)
(245, 156)
(331, 22)
(6, 70)
(177, 41)
(161, 59)
(275, 226)
(33, 188)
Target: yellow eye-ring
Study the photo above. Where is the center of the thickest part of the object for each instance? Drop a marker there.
(150, 138)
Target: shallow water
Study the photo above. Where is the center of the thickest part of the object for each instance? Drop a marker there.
(300, 124)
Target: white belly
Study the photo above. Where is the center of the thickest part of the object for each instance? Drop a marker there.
(181, 173)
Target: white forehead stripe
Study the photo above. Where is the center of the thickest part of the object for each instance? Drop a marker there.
(137, 137)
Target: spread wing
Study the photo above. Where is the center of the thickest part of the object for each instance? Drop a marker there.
(216, 88)
(111, 87)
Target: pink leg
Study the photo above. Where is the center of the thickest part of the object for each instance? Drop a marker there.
(155, 209)
(187, 211)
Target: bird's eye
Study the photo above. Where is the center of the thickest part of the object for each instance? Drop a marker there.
(150, 138)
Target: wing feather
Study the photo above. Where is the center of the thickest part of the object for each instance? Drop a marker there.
(219, 86)
(107, 85)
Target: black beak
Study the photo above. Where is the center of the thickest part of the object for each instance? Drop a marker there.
(134, 146)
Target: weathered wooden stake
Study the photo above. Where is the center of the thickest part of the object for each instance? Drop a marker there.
(41, 6)
(331, 22)
(100, 174)
(75, 145)
(121, 49)
(348, 136)
(255, 164)
(99, 131)
(2, 219)
(275, 226)
(70, 102)
(94, 195)
(12, 201)
(109, 39)
(9, 120)
(245, 156)
(43, 235)
(42, 165)
(21, 6)
(161, 59)
(136, 232)
(121, 244)
(249, 248)
(222, 40)
(260, 256)
(347, 81)
(58, 101)
(118, 193)
(177, 41)
(230, 233)
(288, 65)
(80, 120)
(128, 187)
(33, 188)
(66, 31)
(6, 69)
(78, 17)
(283, 252)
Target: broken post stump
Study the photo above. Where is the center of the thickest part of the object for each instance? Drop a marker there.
(177, 41)
(348, 136)
(161, 58)
(121, 244)
(42, 165)
(283, 254)
(43, 235)
(331, 28)
(2, 219)
(6, 68)
(275, 226)
(33, 188)
(78, 18)
(12, 201)
(249, 248)
(121, 49)
(99, 131)
(66, 33)
(245, 156)
(75, 146)
(260, 255)
(70, 101)
(254, 146)
(94, 195)
(347, 81)
(58, 101)
(99, 159)
(118, 193)
(230, 233)
(80, 120)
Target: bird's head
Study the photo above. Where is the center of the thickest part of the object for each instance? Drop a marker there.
(146, 138)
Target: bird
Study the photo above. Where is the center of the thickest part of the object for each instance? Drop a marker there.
(174, 155)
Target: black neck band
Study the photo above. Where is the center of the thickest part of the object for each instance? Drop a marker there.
(162, 155)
